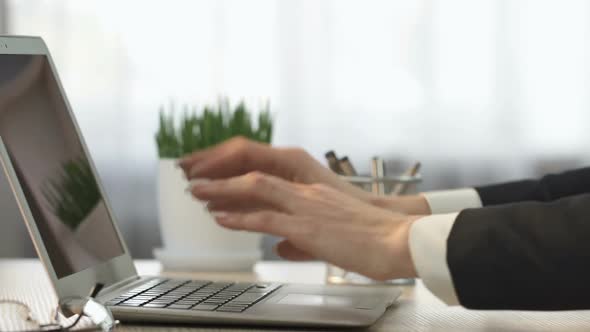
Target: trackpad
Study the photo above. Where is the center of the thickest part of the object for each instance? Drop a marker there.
(318, 300)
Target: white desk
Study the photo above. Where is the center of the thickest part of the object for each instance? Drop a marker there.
(417, 310)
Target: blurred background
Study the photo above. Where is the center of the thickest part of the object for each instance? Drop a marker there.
(478, 91)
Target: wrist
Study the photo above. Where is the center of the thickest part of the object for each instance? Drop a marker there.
(411, 204)
(399, 249)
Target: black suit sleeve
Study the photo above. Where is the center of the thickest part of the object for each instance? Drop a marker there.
(529, 256)
(548, 188)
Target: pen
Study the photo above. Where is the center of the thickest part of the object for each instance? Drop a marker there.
(333, 162)
(377, 172)
(401, 188)
(346, 167)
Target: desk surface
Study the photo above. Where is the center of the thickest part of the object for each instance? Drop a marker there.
(417, 310)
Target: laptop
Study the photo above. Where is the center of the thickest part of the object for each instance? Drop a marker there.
(72, 226)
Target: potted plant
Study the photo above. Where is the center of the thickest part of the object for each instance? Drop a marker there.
(191, 238)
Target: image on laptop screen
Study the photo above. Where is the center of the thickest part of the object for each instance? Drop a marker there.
(52, 168)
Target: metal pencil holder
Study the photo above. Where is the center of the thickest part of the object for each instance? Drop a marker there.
(382, 185)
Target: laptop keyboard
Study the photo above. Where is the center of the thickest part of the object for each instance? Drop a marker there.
(194, 295)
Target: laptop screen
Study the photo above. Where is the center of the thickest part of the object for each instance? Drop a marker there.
(52, 168)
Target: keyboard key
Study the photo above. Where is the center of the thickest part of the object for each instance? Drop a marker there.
(143, 297)
(223, 295)
(205, 307)
(136, 300)
(195, 301)
(195, 296)
(191, 299)
(154, 305)
(179, 306)
(130, 304)
(190, 304)
(171, 295)
(161, 301)
(230, 309)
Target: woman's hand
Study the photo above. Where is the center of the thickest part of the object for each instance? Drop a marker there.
(239, 156)
(316, 221)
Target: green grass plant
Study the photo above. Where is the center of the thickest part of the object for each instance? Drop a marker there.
(196, 130)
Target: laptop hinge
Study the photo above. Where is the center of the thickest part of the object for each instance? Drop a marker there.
(121, 284)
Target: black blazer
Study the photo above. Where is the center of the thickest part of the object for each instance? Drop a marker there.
(527, 248)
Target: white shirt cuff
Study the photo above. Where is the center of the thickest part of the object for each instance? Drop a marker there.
(447, 201)
(428, 248)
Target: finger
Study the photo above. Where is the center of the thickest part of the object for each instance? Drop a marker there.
(254, 188)
(187, 161)
(269, 222)
(237, 157)
(190, 160)
(287, 250)
(198, 155)
(237, 206)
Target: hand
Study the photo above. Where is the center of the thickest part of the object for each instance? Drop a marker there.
(316, 221)
(239, 156)
(408, 204)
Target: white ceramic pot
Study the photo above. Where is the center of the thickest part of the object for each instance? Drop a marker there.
(192, 239)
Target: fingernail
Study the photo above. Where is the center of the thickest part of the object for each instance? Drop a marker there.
(200, 183)
(223, 218)
(219, 214)
(181, 161)
(194, 172)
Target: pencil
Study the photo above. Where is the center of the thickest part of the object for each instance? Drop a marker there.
(378, 172)
(401, 188)
(346, 167)
(333, 162)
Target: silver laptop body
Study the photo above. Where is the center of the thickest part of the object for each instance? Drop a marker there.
(63, 204)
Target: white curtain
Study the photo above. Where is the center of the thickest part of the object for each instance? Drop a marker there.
(479, 91)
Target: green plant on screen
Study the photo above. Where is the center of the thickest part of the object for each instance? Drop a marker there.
(73, 193)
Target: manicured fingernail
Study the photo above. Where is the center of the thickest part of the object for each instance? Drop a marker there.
(200, 183)
(212, 208)
(223, 218)
(194, 172)
(219, 214)
(180, 162)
